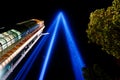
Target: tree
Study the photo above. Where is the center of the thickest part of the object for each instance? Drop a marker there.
(104, 28)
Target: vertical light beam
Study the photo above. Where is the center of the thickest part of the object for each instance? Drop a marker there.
(49, 49)
(24, 70)
(76, 58)
(33, 57)
(26, 67)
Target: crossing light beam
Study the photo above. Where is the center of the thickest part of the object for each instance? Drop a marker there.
(75, 55)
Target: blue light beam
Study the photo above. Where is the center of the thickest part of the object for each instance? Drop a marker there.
(76, 58)
(33, 58)
(27, 66)
(49, 49)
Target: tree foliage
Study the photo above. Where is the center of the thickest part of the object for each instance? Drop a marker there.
(104, 28)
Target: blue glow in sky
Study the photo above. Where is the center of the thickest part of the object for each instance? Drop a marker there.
(75, 57)
(27, 66)
(49, 49)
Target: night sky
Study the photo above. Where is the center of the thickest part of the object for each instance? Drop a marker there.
(77, 12)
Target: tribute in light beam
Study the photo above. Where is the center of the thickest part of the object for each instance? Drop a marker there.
(26, 67)
(49, 49)
(77, 61)
(75, 56)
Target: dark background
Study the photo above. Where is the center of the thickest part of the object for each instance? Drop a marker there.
(77, 12)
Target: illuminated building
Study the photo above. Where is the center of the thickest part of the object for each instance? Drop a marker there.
(16, 42)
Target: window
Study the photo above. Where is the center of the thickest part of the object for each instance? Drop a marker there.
(3, 42)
